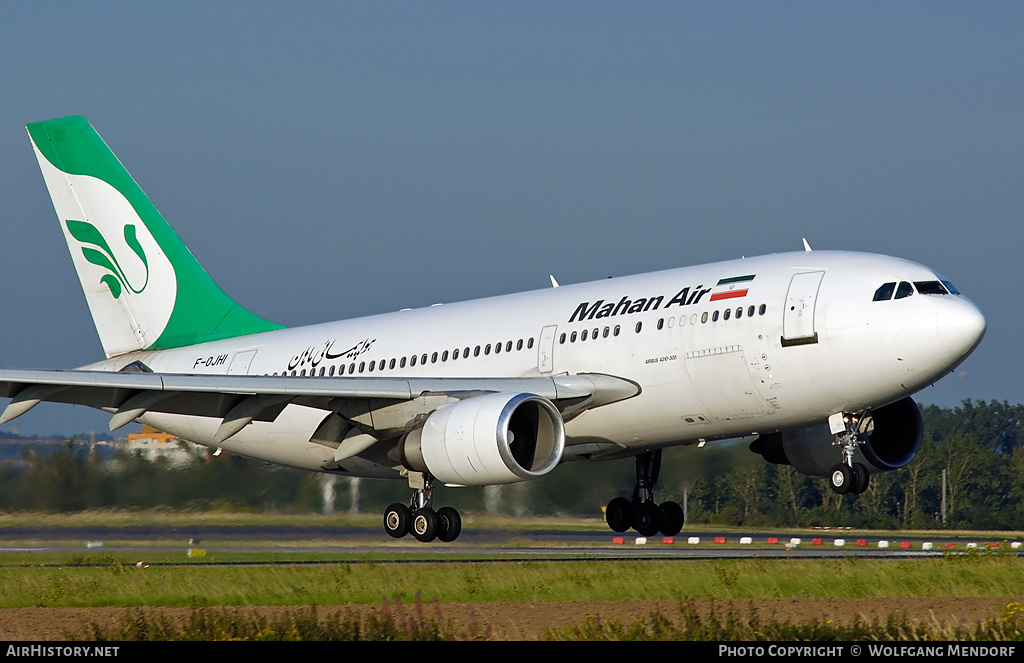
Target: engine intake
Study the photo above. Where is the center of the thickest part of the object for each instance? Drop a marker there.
(489, 439)
(894, 442)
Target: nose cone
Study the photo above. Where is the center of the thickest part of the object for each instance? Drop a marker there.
(960, 326)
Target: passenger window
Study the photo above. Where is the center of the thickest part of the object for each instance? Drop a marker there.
(750, 311)
(714, 317)
(904, 290)
(572, 337)
(519, 344)
(561, 339)
(433, 358)
(583, 336)
(727, 314)
(704, 317)
(884, 293)
(639, 326)
(455, 354)
(508, 346)
(412, 362)
(529, 343)
(739, 312)
(487, 349)
(761, 310)
(423, 358)
(476, 351)
(362, 365)
(497, 347)
(401, 364)
(606, 332)
(616, 331)
(444, 356)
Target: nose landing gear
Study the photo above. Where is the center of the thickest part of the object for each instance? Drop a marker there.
(849, 476)
(419, 519)
(642, 513)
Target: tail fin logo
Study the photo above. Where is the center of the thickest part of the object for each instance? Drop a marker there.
(102, 255)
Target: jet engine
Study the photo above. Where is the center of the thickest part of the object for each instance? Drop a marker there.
(490, 439)
(892, 443)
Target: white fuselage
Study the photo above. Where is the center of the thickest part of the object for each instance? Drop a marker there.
(791, 352)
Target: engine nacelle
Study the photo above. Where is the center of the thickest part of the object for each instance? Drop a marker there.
(894, 442)
(488, 439)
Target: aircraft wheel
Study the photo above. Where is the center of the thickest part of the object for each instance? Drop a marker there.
(425, 525)
(671, 518)
(619, 514)
(450, 524)
(647, 518)
(397, 520)
(861, 478)
(841, 478)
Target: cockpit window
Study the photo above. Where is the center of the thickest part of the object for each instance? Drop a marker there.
(904, 290)
(884, 293)
(930, 288)
(949, 286)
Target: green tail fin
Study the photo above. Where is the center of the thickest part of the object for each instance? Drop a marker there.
(144, 287)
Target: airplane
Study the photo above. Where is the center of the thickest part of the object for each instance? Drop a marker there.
(813, 354)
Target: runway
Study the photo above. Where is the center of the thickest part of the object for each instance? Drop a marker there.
(350, 543)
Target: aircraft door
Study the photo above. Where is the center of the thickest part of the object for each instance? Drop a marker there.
(240, 362)
(798, 318)
(546, 349)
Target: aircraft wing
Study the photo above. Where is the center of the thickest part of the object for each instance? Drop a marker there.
(379, 405)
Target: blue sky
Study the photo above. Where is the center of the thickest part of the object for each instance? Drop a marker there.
(328, 159)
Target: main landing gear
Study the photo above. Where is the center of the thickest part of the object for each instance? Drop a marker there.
(419, 519)
(849, 476)
(641, 513)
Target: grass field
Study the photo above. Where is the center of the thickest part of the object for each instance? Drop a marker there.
(119, 584)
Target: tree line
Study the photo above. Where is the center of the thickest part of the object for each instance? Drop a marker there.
(977, 446)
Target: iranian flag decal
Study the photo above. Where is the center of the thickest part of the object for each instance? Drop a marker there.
(732, 288)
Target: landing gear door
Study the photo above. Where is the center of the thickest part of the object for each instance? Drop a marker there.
(798, 319)
(546, 349)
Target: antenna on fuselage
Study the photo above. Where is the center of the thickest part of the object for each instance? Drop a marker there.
(807, 247)
(554, 283)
